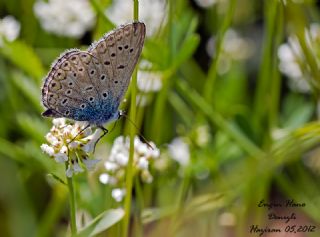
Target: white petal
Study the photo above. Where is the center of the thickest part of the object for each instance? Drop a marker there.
(121, 159)
(47, 149)
(143, 163)
(60, 157)
(179, 151)
(77, 168)
(90, 163)
(69, 172)
(110, 166)
(118, 194)
(104, 178)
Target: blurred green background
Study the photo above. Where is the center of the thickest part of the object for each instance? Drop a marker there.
(228, 90)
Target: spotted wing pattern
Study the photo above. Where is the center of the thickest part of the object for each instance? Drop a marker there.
(89, 85)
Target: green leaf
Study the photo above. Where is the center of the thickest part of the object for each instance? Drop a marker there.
(24, 57)
(102, 222)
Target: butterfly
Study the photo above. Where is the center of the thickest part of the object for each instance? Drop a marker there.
(89, 85)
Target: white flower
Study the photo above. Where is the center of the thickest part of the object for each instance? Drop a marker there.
(60, 157)
(71, 18)
(9, 29)
(179, 151)
(206, 3)
(90, 163)
(143, 163)
(47, 149)
(110, 166)
(92, 140)
(292, 59)
(234, 47)
(152, 13)
(69, 143)
(118, 194)
(119, 156)
(149, 81)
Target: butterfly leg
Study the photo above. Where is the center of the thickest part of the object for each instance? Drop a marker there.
(105, 131)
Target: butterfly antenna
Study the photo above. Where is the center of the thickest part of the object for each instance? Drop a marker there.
(123, 114)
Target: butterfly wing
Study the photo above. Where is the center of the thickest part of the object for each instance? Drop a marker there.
(118, 53)
(69, 89)
(88, 86)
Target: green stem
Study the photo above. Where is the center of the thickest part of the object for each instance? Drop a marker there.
(72, 206)
(229, 128)
(212, 74)
(129, 173)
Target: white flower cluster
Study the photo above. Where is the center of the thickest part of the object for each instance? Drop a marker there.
(235, 48)
(292, 59)
(9, 29)
(117, 162)
(70, 18)
(151, 12)
(67, 144)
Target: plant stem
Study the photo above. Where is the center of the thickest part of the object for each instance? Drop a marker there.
(72, 206)
(129, 173)
(212, 74)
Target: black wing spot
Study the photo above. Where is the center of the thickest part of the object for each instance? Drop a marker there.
(74, 74)
(82, 106)
(73, 58)
(67, 112)
(102, 77)
(80, 69)
(70, 83)
(66, 64)
(104, 94)
(92, 72)
(120, 67)
(84, 55)
(131, 50)
(120, 48)
(107, 63)
(69, 92)
(53, 84)
(91, 99)
(64, 101)
(126, 46)
(89, 89)
(113, 55)
(115, 82)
